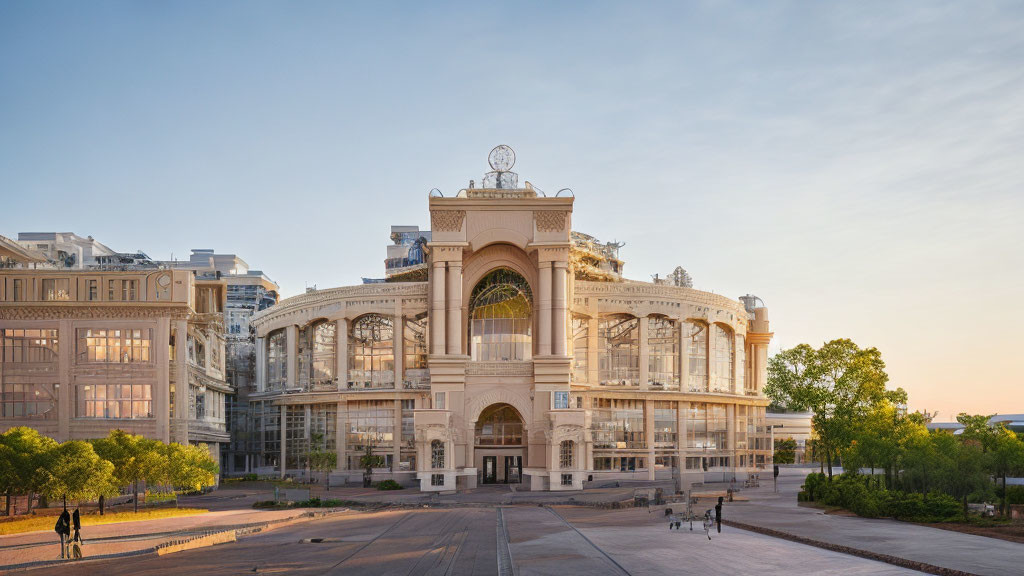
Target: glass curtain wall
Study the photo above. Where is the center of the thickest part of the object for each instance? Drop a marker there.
(725, 359)
(697, 342)
(618, 343)
(277, 360)
(580, 339)
(663, 353)
(372, 352)
(414, 347)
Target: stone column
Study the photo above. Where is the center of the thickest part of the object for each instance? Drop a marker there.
(558, 308)
(682, 421)
(162, 391)
(544, 310)
(292, 337)
(65, 396)
(397, 345)
(454, 335)
(396, 452)
(593, 362)
(684, 356)
(645, 354)
(261, 363)
(437, 315)
(730, 423)
(341, 432)
(284, 437)
(649, 436)
(181, 382)
(341, 352)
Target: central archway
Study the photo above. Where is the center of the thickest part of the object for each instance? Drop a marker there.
(499, 441)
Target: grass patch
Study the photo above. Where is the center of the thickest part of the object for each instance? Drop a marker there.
(46, 522)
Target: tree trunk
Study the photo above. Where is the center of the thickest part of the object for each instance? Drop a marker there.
(965, 508)
(136, 496)
(828, 454)
(102, 502)
(30, 496)
(1002, 507)
(7, 505)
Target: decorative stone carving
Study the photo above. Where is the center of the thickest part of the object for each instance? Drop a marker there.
(447, 220)
(91, 312)
(550, 220)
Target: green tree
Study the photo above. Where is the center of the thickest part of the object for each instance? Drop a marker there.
(785, 451)
(25, 452)
(321, 459)
(135, 459)
(1006, 458)
(190, 467)
(74, 470)
(368, 461)
(839, 383)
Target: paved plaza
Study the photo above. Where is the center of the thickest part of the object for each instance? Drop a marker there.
(465, 541)
(498, 531)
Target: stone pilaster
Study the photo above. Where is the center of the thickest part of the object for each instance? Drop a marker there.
(437, 312)
(544, 314)
(454, 300)
(558, 307)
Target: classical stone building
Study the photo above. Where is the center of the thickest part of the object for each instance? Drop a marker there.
(127, 343)
(524, 357)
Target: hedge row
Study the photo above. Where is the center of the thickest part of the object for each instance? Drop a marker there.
(856, 494)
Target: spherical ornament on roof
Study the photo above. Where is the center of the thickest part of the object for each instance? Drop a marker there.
(502, 158)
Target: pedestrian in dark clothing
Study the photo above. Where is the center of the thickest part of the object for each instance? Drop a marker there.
(63, 529)
(76, 520)
(718, 514)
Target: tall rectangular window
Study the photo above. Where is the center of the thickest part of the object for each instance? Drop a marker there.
(111, 294)
(580, 341)
(277, 360)
(438, 400)
(19, 290)
(56, 289)
(561, 400)
(618, 344)
(92, 289)
(129, 289)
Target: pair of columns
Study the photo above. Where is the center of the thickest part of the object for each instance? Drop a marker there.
(551, 308)
(446, 308)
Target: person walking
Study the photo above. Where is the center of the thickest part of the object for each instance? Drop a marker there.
(718, 514)
(63, 529)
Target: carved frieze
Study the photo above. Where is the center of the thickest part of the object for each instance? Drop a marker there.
(550, 220)
(92, 312)
(447, 220)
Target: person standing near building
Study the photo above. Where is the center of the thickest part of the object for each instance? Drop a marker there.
(718, 514)
(63, 529)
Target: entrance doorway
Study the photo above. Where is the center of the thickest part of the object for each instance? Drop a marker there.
(490, 470)
(513, 469)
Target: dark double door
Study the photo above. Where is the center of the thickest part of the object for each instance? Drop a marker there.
(513, 468)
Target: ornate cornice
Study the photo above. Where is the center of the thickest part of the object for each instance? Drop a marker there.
(92, 311)
(321, 298)
(671, 293)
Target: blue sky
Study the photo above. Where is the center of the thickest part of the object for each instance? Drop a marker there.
(856, 165)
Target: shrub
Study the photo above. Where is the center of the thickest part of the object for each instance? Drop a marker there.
(812, 484)
(389, 485)
(1015, 494)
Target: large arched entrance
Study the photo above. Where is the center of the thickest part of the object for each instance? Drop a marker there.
(499, 445)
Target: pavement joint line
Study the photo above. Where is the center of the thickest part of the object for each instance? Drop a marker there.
(365, 545)
(842, 549)
(506, 567)
(588, 541)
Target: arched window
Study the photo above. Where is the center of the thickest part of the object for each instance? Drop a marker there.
(697, 342)
(725, 358)
(277, 360)
(500, 317)
(618, 343)
(499, 425)
(317, 345)
(372, 352)
(437, 455)
(663, 347)
(565, 454)
(580, 337)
